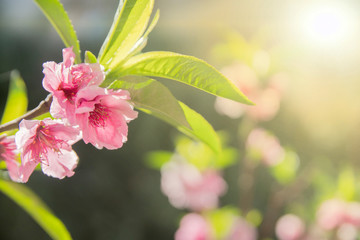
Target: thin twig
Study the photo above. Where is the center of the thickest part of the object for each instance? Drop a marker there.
(43, 107)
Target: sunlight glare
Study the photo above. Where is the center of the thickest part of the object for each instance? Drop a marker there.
(329, 25)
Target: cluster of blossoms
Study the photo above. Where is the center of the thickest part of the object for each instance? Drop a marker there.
(267, 98)
(81, 109)
(262, 145)
(194, 226)
(188, 187)
(334, 217)
(341, 217)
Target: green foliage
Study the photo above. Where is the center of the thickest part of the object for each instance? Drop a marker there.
(141, 43)
(157, 159)
(221, 220)
(153, 98)
(185, 69)
(199, 154)
(131, 19)
(90, 57)
(235, 46)
(31, 203)
(203, 157)
(285, 171)
(2, 165)
(16, 103)
(58, 17)
(254, 217)
(200, 129)
(346, 184)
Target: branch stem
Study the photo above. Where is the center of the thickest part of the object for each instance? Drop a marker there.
(43, 107)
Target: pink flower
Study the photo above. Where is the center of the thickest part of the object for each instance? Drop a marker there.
(261, 144)
(47, 142)
(102, 115)
(331, 214)
(243, 230)
(267, 99)
(352, 213)
(64, 80)
(289, 227)
(347, 232)
(8, 153)
(193, 227)
(187, 187)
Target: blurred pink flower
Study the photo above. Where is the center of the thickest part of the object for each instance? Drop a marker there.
(64, 80)
(267, 99)
(347, 232)
(187, 187)
(289, 227)
(47, 142)
(265, 146)
(102, 115)
(243, 230)
(331, 214)
(193, 227)
(352, 213)
(8, 153)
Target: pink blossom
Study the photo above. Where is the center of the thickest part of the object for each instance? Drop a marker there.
(64, 80)
(347, 232)
(267, 99)
(47, 142)
(331, 214)
(8, 153)
(187, 187)
(102, 115)
(193, 227)
(352, 214)
(265, 147)
(243, 230)
(289, 227)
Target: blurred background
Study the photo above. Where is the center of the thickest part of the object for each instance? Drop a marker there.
(314, 45)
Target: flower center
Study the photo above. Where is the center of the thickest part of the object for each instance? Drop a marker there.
(99, 116)
(70, 93)
(43, 142)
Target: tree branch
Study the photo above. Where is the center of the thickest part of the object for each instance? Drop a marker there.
(43, 107)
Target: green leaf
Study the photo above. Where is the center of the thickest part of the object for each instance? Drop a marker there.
(141, 43)
(152, 24)
(155, 99)
(37, 209)
(3, 165)
(90, 57)
(196, 153)
(185, 69)
(200, 129)
(221, 220)
(202, 156)
(56, 14)
(346, 184)
(157, 159)
(130, 22)
(16, 103)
